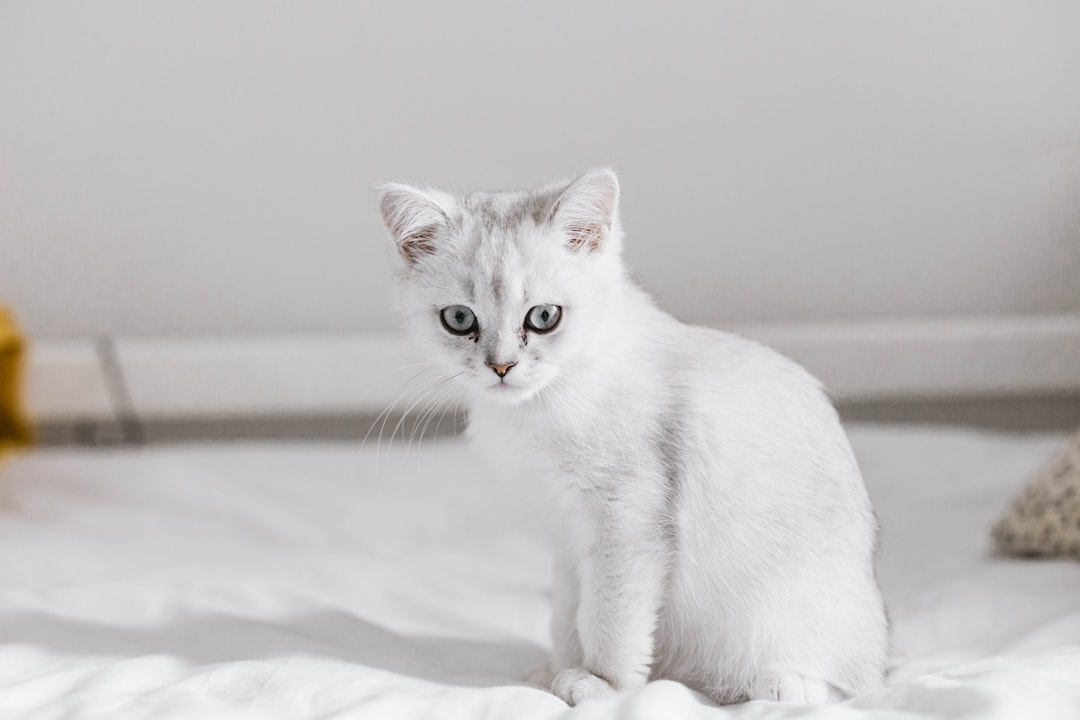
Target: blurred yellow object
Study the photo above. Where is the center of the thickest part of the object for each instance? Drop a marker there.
(14, 426)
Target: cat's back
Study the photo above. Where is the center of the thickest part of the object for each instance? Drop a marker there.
(748, 408)
(724, 370)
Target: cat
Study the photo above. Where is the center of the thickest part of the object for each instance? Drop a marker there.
(714, 528)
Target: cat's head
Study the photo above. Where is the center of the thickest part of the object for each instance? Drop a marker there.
(506, 291)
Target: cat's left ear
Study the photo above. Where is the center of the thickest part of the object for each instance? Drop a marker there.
(413, 218)
(586, 210)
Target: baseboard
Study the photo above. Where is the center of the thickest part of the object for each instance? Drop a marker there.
(174, 379)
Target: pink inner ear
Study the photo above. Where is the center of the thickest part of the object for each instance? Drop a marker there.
(413, 219)
(586, 210)
(418, 243)
(586, 236)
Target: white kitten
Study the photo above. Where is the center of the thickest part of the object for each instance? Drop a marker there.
(714, 527)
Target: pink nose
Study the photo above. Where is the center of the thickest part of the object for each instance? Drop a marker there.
(502, 369)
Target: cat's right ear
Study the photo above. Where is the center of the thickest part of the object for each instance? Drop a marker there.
(413, 218)
(586, 210)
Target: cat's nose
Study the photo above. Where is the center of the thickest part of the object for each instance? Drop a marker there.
(502, 369)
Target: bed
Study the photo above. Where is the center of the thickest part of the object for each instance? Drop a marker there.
(340, 580)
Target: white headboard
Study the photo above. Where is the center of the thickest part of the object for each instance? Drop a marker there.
(836, 172)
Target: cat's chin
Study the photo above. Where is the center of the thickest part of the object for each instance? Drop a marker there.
(506, 394)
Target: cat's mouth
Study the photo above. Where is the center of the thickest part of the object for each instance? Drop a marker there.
(508, 392)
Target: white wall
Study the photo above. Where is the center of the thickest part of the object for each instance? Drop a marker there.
(205, 167)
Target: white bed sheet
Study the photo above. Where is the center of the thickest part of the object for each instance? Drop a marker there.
(316, 581)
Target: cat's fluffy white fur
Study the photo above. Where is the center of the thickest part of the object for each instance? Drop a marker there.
(713, 526)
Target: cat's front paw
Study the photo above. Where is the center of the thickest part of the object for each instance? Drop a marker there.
(575, 685)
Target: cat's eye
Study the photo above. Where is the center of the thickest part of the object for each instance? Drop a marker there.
(458, 320)
(543, 318)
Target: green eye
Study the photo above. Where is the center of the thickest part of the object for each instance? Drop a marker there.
(458, 319)
(543, 318)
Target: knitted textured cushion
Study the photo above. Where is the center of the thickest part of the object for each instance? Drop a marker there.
(1045, 518)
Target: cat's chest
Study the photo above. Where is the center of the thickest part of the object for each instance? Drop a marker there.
(531, 438)
(573, 451)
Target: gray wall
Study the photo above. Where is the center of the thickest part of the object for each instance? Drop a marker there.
(205, 167)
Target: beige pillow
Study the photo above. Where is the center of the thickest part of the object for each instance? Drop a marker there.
(1045, 518)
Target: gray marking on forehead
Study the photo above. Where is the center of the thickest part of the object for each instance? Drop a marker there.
(487, 217)
(541, 204)
(534, 207)
(508, 211)
(493, 226)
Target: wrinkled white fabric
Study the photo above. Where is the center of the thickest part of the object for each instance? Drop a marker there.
(323, 581)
